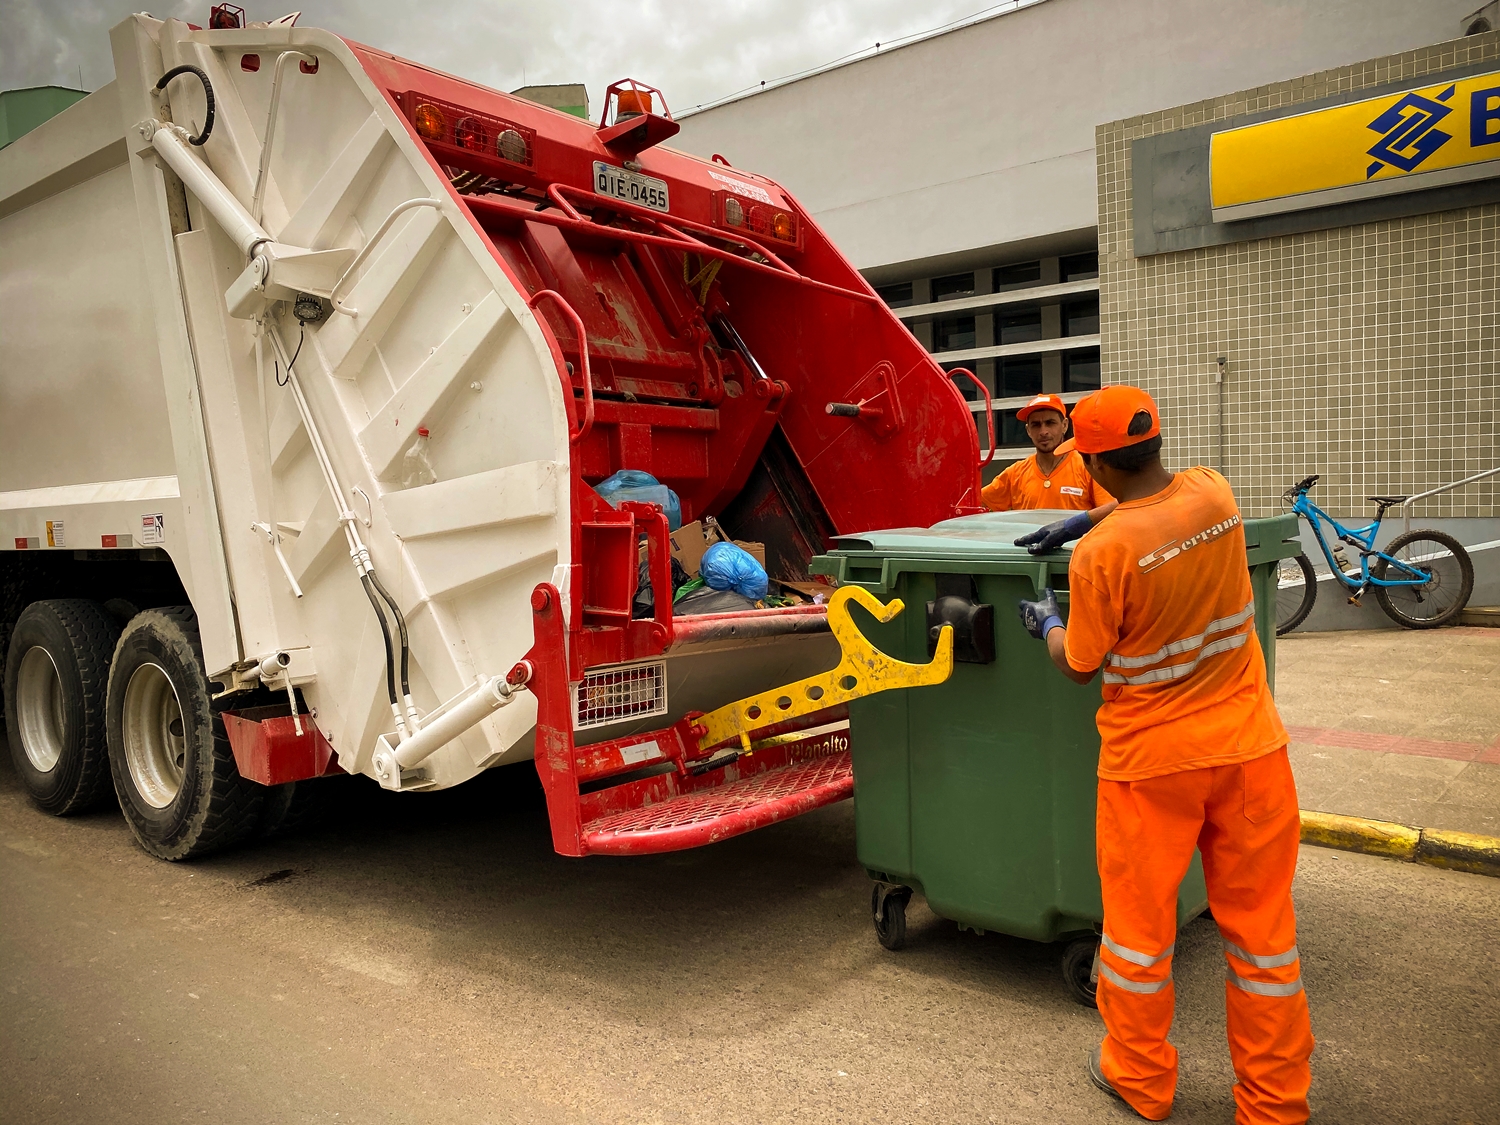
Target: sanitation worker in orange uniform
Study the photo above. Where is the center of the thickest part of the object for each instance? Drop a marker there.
(1053, 476)
(1192, 755)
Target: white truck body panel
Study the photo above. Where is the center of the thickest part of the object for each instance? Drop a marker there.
(128, 391)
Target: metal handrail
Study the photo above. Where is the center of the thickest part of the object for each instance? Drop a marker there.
(1410, 500)
(583, 355)
(989, 410)
(258, 200)
(364, 251)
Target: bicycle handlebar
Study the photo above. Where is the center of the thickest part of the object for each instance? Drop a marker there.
(1305, 483)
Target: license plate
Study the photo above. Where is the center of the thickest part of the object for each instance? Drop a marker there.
(632, 187)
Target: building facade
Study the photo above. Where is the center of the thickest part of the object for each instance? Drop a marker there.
(960, 173)
(1357, 324)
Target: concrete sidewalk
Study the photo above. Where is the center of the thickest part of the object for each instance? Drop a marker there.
(1396, 725)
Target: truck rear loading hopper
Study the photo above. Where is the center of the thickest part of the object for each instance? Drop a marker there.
(244, 275)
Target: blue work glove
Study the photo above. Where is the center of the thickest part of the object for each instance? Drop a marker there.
(1040, 616)
(1054, 535)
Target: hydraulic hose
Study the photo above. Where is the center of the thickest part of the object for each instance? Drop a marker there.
(208, 97)
(401, 626)
(385, 633)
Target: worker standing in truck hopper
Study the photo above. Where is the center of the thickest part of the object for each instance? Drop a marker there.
(1192, 755)
(1053, 476)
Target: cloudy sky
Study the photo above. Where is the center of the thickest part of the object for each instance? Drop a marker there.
(695, 50)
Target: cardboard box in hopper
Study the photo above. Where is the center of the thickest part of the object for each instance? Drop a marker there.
(691, 541)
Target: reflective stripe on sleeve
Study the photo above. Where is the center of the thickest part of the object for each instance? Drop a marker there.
(1177, 671)
(1145, 988)
(1187, 644)
(1271, 961)
(1144, 960)
(1262, 988)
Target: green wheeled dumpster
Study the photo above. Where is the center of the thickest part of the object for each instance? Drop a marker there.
(979, 792)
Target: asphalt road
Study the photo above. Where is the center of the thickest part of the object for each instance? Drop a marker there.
(428, 959)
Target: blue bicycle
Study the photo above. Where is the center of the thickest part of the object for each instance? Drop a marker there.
(1422, 579)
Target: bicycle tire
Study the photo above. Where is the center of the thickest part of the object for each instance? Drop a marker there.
(1396, 601)
(1292, 611)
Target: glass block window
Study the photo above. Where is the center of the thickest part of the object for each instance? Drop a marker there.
(1080, 318)
(1021, 375)
(1021, 275)
(1081, 370)
(1009, 430)
(954, 286)
(897, 296)
(1077, 267)
(1019, 327)
(951, 332)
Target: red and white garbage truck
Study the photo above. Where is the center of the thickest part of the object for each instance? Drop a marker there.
(265, 270)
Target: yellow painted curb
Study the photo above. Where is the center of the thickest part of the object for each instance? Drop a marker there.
(1456, 851)
(1460, 851)
(1355, 834)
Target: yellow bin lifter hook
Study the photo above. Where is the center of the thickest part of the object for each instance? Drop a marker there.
(863, 670)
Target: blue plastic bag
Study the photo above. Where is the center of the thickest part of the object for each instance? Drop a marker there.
(633, 484)
(727, 567)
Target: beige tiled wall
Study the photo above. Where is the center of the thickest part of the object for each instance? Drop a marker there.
(1364, 353)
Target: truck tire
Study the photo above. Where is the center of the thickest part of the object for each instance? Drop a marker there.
(173, 768)
(56, 672)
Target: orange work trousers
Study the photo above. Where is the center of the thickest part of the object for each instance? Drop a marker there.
(1244, 819)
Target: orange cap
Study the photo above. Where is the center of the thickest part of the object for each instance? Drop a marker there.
(1101, 421)
(1042, 402)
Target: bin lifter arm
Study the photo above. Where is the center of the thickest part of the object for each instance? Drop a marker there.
(862, 670)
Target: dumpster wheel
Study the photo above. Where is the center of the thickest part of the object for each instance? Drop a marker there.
(1078, 970)
(888, 909)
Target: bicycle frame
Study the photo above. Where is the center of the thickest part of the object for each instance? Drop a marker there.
(1363, 540)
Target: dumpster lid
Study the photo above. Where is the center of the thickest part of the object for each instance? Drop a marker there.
(988, 535)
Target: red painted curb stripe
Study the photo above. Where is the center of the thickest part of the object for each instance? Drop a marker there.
(1398, 744)
(1492, 754)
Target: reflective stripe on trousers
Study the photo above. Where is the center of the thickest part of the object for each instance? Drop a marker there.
(1264, 961)
(1135, 957)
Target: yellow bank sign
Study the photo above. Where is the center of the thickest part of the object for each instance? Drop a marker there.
(1447, 133)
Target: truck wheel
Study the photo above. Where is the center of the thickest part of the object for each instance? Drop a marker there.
(1078, 970)
(888, 907)
(173, 768)
(55, 676)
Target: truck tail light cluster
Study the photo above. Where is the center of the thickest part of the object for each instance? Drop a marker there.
(444, 125)
(764, 219)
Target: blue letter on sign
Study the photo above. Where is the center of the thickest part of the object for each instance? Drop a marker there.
(1484, 117)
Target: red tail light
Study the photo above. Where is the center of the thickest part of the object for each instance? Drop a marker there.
(471, 137)
(469, 134)
(754, 217)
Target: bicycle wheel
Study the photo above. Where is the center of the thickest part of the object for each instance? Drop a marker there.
(1296, 590)
(1450, 580)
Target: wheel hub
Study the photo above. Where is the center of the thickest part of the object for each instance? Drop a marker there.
(39, 708)
(154, 735)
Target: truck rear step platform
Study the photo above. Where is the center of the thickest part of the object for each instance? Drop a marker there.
(671, 811)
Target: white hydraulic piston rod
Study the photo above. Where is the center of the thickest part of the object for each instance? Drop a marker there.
(170, 141)
(487, 697)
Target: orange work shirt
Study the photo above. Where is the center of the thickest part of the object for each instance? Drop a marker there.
(1159, 594)
(1024, 485)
